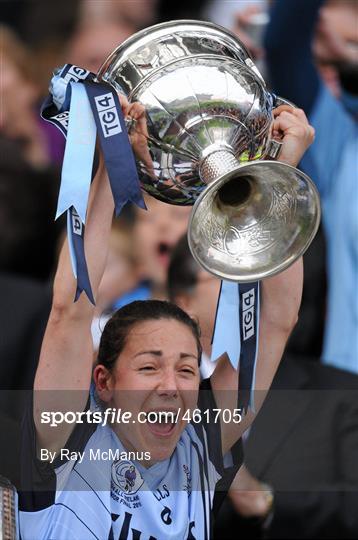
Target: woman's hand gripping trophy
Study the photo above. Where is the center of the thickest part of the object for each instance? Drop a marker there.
(135, 115)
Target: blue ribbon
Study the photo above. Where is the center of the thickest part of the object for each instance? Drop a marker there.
(117, 150)
(226, 336)
(78, 107)
(71, 247)
(55, 108)
(78, 159)
(67, 108)
(249, 335)
(77, 233)
(236, 334)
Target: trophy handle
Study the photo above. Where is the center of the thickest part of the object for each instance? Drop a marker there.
(278, 100)
(274, 148)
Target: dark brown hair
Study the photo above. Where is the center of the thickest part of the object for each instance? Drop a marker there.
(116, 331)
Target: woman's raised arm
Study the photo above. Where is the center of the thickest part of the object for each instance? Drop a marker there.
(64, 371)
(63, 375)
(280, 298)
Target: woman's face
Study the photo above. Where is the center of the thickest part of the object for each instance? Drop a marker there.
(157, 372)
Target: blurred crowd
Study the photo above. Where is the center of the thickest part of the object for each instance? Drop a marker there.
(303, 447)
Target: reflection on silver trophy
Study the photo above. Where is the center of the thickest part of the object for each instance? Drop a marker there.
(8, 511)
(209, 119)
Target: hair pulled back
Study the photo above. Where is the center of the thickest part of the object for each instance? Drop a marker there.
(116, 331)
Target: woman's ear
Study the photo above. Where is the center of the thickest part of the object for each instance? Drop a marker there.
(104, 383)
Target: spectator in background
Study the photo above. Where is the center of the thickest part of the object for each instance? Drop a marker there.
(28, 232)
(132, 13)
(45, 31)
(332, 159)
(27, 251)
(224, 12)
(25, 307)
(156, 232)
(139, 256)
(185, 9)
(247, 19)
(310, 459)
(120, 278)
(306, 338)
(40, 26)
(335, 43)
(139, 13)
(19, 94)
(302, 443)
(93, 42)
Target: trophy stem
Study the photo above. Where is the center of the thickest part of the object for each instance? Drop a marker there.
(217, 164)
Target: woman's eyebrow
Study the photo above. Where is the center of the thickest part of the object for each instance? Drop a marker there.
(188, 355)
(154, 353)
(159, 354)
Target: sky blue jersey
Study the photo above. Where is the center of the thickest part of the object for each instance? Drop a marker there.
(101, 494)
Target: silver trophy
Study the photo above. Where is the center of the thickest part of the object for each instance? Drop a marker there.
(209, 118)
(8, 510)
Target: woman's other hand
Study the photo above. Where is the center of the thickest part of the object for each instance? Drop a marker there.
(291, 125)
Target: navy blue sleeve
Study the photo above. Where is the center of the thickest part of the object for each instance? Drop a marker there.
(206, 402)
(38, 482)
(288, 41)
(213, 433)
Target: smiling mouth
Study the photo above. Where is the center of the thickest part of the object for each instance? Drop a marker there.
(161, 429)
(161, 423)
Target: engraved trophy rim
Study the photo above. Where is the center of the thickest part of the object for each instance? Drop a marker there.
(138, 39)
(288, 261)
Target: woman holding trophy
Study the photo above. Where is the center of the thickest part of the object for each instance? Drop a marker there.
(137, 447)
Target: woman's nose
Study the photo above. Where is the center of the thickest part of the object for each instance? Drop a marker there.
(167, 385)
